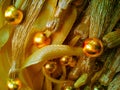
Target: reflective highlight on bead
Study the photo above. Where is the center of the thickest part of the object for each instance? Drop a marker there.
(41, 40)
(50, 66)
(14, 84)
(13, 15)
(93, 47)
(68, 60)
(67, 86)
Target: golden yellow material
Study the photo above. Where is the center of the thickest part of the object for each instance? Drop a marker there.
(41, 40)
(93, 47)
(60, 35)
(67, 86)
(68, 60)
(13, 15)
(65, 60)
(14, 84)
(51, 52)
(50, 66)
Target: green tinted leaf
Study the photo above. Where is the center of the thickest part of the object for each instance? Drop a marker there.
(81, 80)
(4, 35)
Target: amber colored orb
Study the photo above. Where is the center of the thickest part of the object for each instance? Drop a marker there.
(67, 86)
(65, 60)
(14, 84)
(41, 40)
(68, 60)
(50, 66)
(13, 15)
(93, 47)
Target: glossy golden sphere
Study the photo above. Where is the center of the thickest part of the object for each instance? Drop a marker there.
(14, 84)
(50, 66)
(93, 47)
(68, 60)
(41, 40)
(67, 86)
(13, 15)
(65, 60)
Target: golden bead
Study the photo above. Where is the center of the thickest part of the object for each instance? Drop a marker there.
(14, 84)
(50, 66)
(41, 40)
(13, 15)
(68, 60)
(67, 86)
(65, 60)
(93, 47)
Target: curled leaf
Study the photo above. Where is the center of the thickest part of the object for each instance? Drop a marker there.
(51, 52)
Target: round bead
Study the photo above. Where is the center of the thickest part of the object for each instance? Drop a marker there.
(67, 86)
(93, 47)
(14, 84)
(50, 66)
(13, 15)
(68, 60)
(65, 60)
(41, 40)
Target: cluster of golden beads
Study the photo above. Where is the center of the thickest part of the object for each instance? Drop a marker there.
(68, 60)
(93, 47)
(14, 84)
(41, 40)
(50, 66)
(13, 15)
